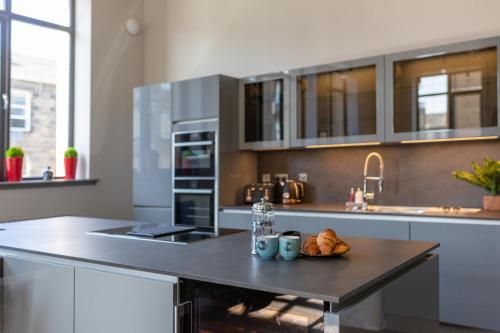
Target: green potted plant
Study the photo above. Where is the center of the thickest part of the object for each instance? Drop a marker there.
(486, 176)
(14, 163)
(70, 162)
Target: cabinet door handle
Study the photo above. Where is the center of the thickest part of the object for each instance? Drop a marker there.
(193, 143)
(183, 320)
(193, 191)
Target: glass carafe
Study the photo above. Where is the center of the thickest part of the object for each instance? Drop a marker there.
(262, 221)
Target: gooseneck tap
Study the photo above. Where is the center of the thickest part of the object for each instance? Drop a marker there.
(380, 179)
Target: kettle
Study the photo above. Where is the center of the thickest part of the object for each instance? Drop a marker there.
(292, 192)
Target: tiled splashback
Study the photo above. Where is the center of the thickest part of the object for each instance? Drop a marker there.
(416, 175)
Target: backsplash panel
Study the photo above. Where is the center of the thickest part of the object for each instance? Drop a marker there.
(416, 175)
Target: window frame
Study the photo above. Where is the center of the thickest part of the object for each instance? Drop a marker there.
(6, 19)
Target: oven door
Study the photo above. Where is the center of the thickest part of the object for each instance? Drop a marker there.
(194, 154)
(195, 207)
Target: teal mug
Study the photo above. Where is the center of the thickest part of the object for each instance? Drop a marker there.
(268, 246)
(289, 247)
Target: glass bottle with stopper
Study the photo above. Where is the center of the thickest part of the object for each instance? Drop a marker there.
(262, 221)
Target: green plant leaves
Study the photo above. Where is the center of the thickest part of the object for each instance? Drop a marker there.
(71, 153)
(486, 176)
(14, 152)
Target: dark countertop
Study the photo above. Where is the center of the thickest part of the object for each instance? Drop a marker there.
(224, 260)
(341, 209)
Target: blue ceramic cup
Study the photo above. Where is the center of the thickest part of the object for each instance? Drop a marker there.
(289, 247)
(268, 246)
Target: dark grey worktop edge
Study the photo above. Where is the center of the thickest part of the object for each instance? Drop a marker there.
(335, 209)
(208, 279)
(36, 183)
(344, 299)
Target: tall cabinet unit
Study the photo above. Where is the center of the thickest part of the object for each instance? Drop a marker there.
(443, 92)
(338, 103)
(264, 112)
(152, 153)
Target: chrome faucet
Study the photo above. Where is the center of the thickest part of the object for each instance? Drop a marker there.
(380, 179)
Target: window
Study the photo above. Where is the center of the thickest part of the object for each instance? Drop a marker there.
(37, 39)
(450, 97)
(20, 111)
(433, 102)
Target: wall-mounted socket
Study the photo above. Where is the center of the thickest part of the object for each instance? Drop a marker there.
(303, 177)
(266, 177)
(281, 175)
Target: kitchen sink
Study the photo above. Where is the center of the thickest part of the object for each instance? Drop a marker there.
(421, 210)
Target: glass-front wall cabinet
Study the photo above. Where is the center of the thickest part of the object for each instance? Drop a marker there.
(447, 92)
(264, 112)
(338, 103)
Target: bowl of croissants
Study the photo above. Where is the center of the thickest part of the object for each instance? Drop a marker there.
(325, 245)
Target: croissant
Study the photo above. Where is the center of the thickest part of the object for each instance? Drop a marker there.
(341, 248)
(311, 246)
(327, 239)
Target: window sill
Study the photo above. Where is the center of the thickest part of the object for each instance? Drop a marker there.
(34, 183)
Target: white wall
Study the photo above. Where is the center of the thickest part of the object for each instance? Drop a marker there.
(116, 61)
(245, 37)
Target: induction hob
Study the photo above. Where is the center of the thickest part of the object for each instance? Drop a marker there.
(185, 237)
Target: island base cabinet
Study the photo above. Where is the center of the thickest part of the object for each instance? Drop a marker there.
(469, 271)
(109, 302)
(38, 297)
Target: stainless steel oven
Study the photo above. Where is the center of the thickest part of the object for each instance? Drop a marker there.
(194, 154)
(195, 179)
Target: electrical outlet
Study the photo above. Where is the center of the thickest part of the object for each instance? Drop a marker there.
(266, 178)
(303, 177)
(281, 175)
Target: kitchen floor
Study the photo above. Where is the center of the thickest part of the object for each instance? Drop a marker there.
(460, 329)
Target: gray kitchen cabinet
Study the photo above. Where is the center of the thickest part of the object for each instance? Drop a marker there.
(338, 103)
(312, 223)
(469, 271)
(196, 98)
(443, 92)
(264, 120)
(110, 302)
(159, 215)
(152, 140)
(38, 297)
(344, 227)
(235, 220)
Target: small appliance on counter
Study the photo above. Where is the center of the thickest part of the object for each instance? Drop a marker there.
(285, 191)
(292, 192)
(257, 192)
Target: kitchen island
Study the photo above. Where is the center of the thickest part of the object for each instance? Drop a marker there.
(107, 284)
(449, 229)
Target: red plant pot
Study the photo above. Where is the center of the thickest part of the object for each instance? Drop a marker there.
(70, 167)
(14, 166)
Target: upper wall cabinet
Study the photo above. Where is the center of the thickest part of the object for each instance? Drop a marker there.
(338, 103)
(443, 92)
(196, 98)
(264, 111)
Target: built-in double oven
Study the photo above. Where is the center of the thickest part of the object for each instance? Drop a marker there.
(195, 179)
